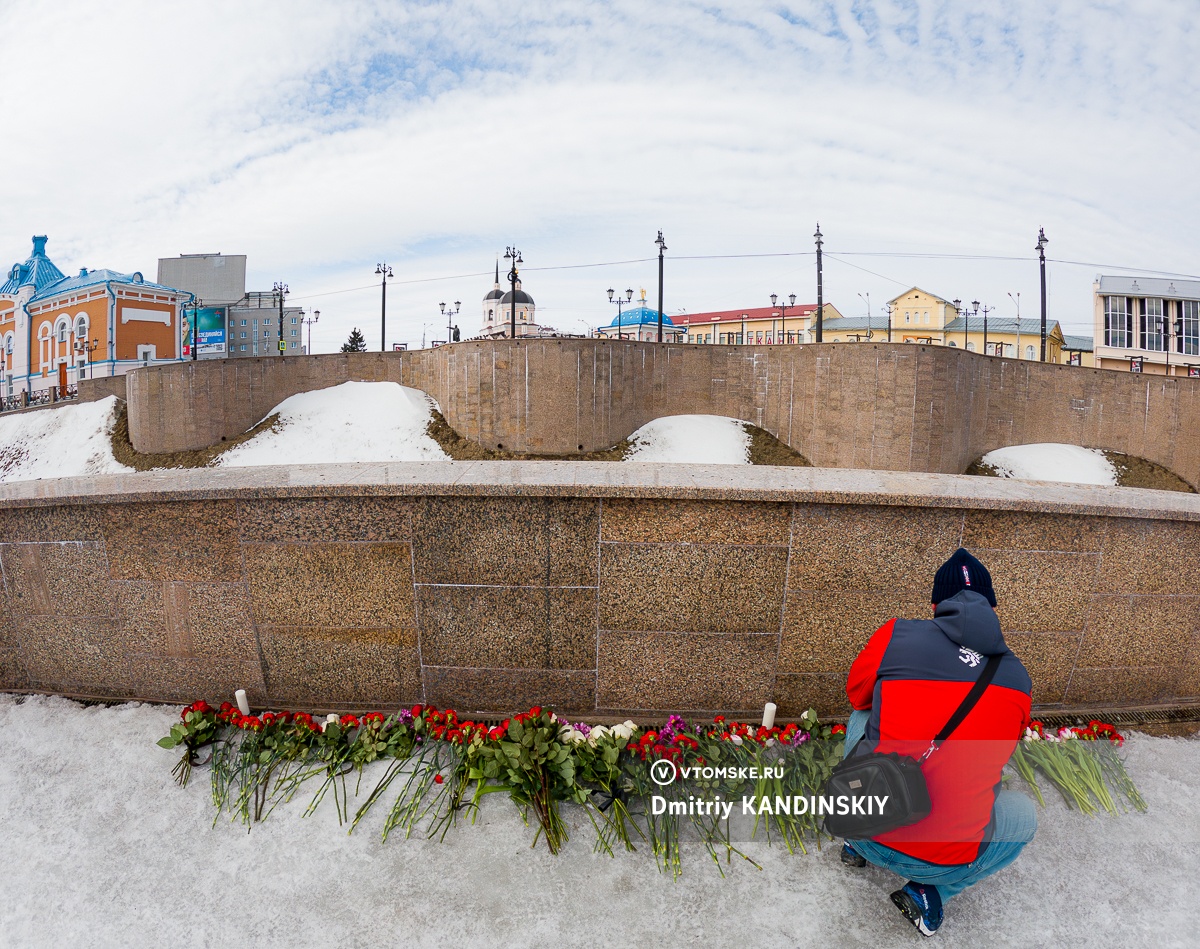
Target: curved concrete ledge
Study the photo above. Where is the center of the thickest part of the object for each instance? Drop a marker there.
(881, 406)
(598, 588)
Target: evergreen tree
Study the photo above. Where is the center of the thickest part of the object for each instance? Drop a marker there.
(357, 343)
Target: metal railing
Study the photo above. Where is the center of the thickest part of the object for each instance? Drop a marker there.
(50, 396)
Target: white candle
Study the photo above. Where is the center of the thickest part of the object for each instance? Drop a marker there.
(242, 704)
(769, 715)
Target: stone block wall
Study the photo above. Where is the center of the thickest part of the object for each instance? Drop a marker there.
(599, 589)
(897, 407)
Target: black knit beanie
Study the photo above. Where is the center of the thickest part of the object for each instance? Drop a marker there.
(962, 572)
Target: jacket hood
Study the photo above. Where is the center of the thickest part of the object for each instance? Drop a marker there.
(969, 620)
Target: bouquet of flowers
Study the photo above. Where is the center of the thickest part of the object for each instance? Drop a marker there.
(1082, 762)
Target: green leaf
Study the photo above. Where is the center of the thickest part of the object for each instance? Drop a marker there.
(167, 742)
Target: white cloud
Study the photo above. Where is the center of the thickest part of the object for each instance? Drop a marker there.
(322, 138)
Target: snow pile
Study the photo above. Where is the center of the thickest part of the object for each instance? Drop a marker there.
(1052, 462)
(354, 421)
(692, 440)
(101, 848)
(59, 442)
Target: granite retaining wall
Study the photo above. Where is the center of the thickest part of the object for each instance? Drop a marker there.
(595, 588)
(898, 407)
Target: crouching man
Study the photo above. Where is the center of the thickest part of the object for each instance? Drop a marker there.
(904, 686)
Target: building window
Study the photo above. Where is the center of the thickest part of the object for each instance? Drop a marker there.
(243, 322)
(293, 319)
(1191, 326)
(906, 319)
(62, 332)
(243, 332)
(293, 332)
(954, 344)
(243, 345)
(970, 347)
(1116, 323)
(1028, 352)
(1152, 325)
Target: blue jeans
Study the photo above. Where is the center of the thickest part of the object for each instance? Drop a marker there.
(1014, 824)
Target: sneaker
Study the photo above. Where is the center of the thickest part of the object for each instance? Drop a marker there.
(851, 857)
(921, 905)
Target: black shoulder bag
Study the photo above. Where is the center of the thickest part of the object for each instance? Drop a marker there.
(861, 782)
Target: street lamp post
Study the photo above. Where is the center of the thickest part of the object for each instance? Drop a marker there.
(783, 308)
(85, 350)
(384, 272)
(958, 309)
(511, 253)
(1017, 301)
(196, 304)
(986, 308)
(867, 297)
(620, 302)
(975, 313)
(280, 290)
(450, 314)
(308, 322)
(1041, 249)
(820, 291)
(662, 246)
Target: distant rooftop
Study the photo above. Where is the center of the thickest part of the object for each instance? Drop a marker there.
(1173, 288)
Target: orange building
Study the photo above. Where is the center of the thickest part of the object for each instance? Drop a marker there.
(58, 329)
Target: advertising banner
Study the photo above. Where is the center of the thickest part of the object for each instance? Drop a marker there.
(211, 323)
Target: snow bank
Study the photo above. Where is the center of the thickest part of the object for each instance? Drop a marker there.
(59, 442)
(102, 849)
(355, 421)
(1052, 462)
(693, 440)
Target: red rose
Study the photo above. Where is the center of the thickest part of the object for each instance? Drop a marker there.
(838, 730)
(348, 721)
(416, 711)
(438, 779)
(535, 711)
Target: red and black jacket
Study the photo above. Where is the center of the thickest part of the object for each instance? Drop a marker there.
(912, 675)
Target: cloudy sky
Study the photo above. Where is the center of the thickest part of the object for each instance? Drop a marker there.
(929, 139)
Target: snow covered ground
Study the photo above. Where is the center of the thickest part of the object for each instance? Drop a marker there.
(59, 442)
(354, 421)
(692, 439)
(1052, 462)
(102, 849)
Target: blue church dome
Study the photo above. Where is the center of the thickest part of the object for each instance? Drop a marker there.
(639, 316)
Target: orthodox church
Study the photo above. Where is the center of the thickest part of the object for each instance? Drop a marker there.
(498, 312)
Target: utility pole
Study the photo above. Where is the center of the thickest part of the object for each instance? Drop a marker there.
(281, 291)
(1041, 249)
(820, 291)
(985, 313)
(662, 246)
(386, 272)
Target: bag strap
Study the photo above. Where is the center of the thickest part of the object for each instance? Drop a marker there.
(968, 703)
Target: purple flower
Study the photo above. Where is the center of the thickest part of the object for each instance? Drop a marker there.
(583, 728)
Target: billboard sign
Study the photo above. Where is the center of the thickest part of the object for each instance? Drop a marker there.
(211, 322)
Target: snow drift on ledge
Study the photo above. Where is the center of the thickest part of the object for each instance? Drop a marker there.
(1052, 462)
